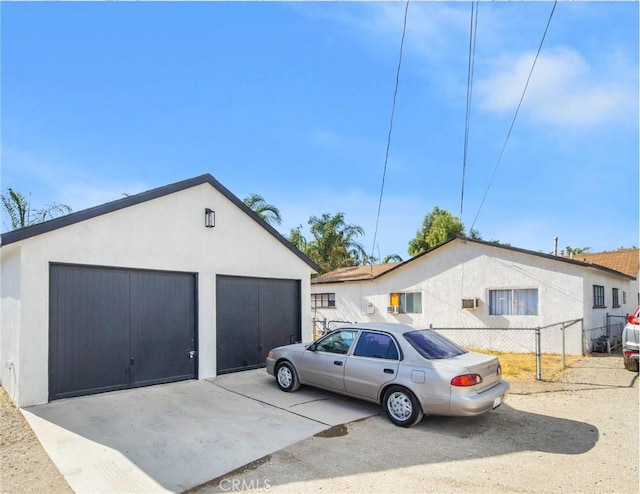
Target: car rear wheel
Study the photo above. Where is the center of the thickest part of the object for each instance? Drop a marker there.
(402, 407)
(631, 364)
(286, 377)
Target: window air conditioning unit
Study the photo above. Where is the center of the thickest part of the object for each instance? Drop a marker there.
(470, 303)
(393, 309)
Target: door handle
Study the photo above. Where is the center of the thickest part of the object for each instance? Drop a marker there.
(337, 362)
(388, 371)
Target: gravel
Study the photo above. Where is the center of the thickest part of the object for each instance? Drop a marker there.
(578, 433)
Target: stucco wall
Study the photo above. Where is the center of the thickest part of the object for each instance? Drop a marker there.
(167, 233)
(469, 270)
(11, 289)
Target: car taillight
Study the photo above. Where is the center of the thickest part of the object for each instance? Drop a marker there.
(633, 318)
(499, 371)
(628, 353)
(466, 380)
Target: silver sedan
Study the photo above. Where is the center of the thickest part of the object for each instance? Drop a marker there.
(410, 372)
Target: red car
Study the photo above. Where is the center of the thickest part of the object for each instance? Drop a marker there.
(631, 341)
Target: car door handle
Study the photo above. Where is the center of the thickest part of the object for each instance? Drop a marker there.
(337, 362)
(388, 371)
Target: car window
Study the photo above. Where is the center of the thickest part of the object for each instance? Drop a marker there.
(337, 342)
(376, 345)
(432, 345)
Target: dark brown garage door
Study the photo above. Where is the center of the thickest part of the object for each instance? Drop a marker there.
(254, 315)
(116, 328)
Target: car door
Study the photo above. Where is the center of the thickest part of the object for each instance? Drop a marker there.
(323, 362)
(373, 363)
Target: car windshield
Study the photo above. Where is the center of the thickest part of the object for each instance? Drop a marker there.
(432, 345)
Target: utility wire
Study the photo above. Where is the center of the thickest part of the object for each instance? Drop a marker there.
(393, 111)
(516, 114)
(473, 28)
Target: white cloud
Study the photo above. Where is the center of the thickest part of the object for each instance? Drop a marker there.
(430, 26)
(564, 90)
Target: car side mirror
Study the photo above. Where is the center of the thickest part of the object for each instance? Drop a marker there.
(312, 347)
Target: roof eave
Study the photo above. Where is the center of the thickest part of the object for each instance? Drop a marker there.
(109, 207)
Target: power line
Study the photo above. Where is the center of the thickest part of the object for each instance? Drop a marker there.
(516, 114)
(393, 111)
(473, 28)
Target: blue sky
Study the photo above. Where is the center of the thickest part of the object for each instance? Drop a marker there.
(293, 100)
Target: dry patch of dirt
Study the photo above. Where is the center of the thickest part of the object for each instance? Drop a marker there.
(24, 465)
(522, 366)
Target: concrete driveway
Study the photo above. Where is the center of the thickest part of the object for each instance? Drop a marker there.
(175, 436)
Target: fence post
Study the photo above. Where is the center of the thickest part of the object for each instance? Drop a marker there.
(538, 355)
(563, 347)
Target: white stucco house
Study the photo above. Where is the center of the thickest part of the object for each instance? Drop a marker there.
(180, 282)
(468, 283)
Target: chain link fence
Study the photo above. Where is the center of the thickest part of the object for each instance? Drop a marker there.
(534, 352)
(323, 326)
(524, 352)
(607, 338)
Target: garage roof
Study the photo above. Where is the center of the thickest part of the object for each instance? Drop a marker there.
(109, 207)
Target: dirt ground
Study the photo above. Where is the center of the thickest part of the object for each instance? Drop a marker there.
(578, 433)
(24, 465)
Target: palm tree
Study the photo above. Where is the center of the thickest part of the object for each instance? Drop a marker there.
(18, 207)
(392, 258)
(334, 242)
(268, 212)
(297, 239)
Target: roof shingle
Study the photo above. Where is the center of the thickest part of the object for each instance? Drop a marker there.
(354, 273)
(626, 261)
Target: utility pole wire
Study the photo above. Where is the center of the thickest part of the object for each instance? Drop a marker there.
(393, 111)
(473, 29)
(516, 114)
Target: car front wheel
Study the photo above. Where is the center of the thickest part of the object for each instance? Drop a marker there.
(402, 407)
(286, 377)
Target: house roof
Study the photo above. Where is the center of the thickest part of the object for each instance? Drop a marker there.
(366, 273)
(77, 217)
(625, 260)
(355, 273)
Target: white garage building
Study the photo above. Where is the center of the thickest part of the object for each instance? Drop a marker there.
(180, 282)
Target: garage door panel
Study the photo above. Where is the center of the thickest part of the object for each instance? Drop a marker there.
(86, 321)
(253, 316)
(279, 314)
(163, 307)
(238, 343)
(116, 328)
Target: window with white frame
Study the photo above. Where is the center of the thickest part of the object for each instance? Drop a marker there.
(409, 303)
(598, 296)
(323, 300)
(513, 302)
(615, 298)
